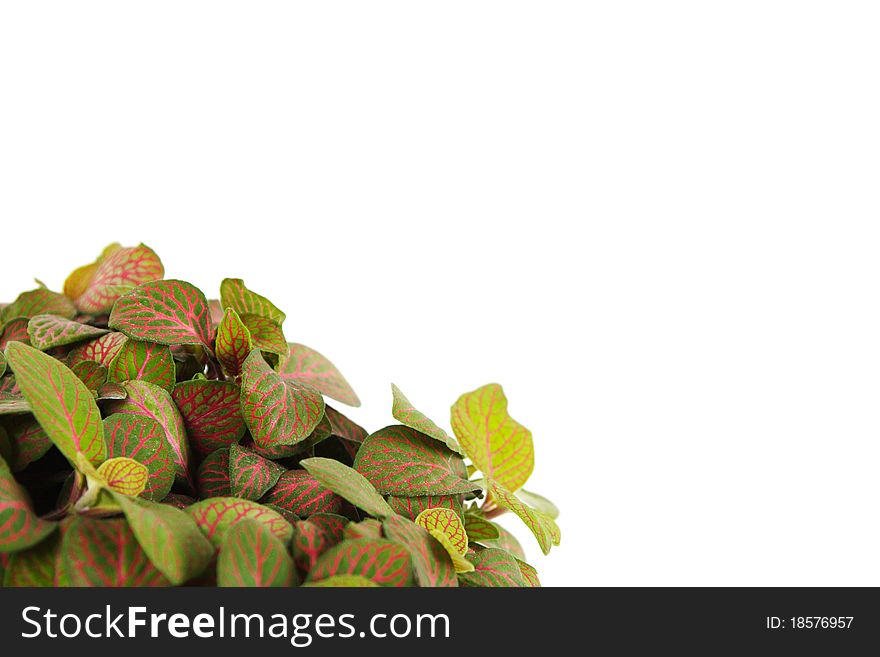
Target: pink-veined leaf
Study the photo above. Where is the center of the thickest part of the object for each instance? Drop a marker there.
(300, 493)
(432, 565)
(251, 555)
(404, 412)
(91, 373)
(144, 361)
(492, 568)
(124, 475)
(216, 515)
(447, 522)
(332, 523)
(348, 484)
(479, 529)
(385, 562)
(368, 528)
(104, 552)
(29, 442)
(15, 331)
(147, 400)
(266, 335)
(251, 475)
(102, 350)
(213, 475)
(529, 574)
(343, 581)
(143, 439)
(307, 365)
(48, 331)
(211, 413)
(112, 392)
(303, 447)
(399, 460)
(234, 294)
(277, 411)
(411, 507)
(116, 274)
(169, 536)
(310, 541)
(40, 301)
(35, 566)
(78, 281)
(20, 527)
(233, 342)
(542, 526)
(499, 446)
(169, 312)
(507, 542)
(62, 404)
(343, 427)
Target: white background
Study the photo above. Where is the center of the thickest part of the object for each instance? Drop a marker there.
(654, 223)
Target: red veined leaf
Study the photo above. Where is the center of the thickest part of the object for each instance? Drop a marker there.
(20, 527)
(507, 542)
(11, 401)
(496, 443)
(251, 555)
(146, 400)
(279, 451)
(91, 373)
(399, 460)
(277, 411)
(300, 493)
(112, 391)
(143, 439)
(369, 528)
(211, 413)
(38, 302)
(543, 526)
(15, 331)
(168, 312)
(332, 524)
(289, 516)
(48, 331)
(35, 566)
(432, 565)
(105, 552)
(233, 342)
(529, 574)
(411, 507)
(404, 412)
(310, 541)
(213, 474)
(348, 484)
(28, 440)
(380, 560)
(144, 361)
(447, 522)
(538, 502)
(78, 280)
(124, 475)
(62, 404)
(492, 568)
(178, 501)
(343, 427)
(117, 273)
(169, 537)
(479, 529)
(266, 335)
(343, 581)
(102, 350)
(307, 365)
(251, 475)
(216, 515)
(234, 294)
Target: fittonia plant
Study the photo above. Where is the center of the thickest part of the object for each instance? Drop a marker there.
(151, 436)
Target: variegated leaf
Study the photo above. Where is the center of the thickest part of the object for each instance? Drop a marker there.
(211, 413)
(124, 475)
(299, 492)
(234, 294)
(348, 484)
(233, 342)
(385, 562)
(78, 281)
(168, 312)
(343, 427)
(492, 568)
(102, 350)
(38, 302)
(266, 335)
(343, 581)
(143, 439)
(543, 526)
(307, 365)
(432, 565)
(29, 441)
(529, 574)
(213, 476)
(404, 412)
(35, 566)
(20, 527)
(251, 555)
(411, 507)
(15, 330)
(48, 331)
(479, 529)
(144, 361)
(446, 522)
(369, 528)
(117, 273)
(310, 541)
(251, 475)
(91, 373)
(215, 516)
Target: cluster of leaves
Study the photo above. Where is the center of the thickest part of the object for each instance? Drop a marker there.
(150, 436)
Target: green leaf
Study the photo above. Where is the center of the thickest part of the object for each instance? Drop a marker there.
(344, 581)
(213, 475)
(143, 439)
(211, 413)
(144, 361)
(215, 516)
(168, 312)
(233, 342)
(310, 541)
(348, 484)
(29, 441)
(102, 350)
(543, 526)
(104, 552)
(150, 401)
(91, 373)
(446, 522)
(15, 330)
(62, 404)
(479, 529)
(507, 542)
(492, 568)
(251, 475)
(38, 302)
(78, 281)
(251, 555)
(497, 444)
(20, 527)
(459, 562)
(124, 475)
(234, 294)
(404, 412)
(48, 331)
(385, 562)
(529, 574)
(411, 507)
(276, 411)
(170, 538)
(399, 460)
(114, 274)
(539, 502)
(368, 528)
(343, 427)
(298, 492)
(266, 335)
(308, 366)
(35, 566)
(432, 564)
(2, 364)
